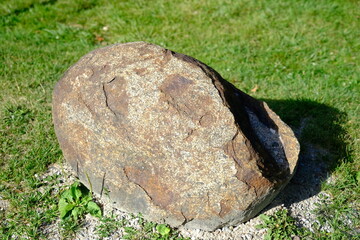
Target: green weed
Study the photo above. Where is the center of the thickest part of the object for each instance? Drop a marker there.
(76, 201)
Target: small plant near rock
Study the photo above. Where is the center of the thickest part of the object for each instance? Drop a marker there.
(163, 230)
(280, 226)
(74, 203)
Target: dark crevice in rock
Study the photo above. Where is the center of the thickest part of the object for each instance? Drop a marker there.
(127, 177)
(264, 137)
(106, 99)
(186, 219)
(102, 184)
(77, 168)
(189, 134)
(201, 119)
(111, 80)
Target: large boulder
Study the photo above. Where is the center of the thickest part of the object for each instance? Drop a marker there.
(165, 135)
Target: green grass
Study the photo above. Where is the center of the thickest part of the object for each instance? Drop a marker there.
(281, 226)
(303, 56)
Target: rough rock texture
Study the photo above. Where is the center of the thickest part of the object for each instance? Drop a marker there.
(165, 135)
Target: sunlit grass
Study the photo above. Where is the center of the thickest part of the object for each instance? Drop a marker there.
(293, 50)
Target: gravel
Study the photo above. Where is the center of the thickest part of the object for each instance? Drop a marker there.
(299, 197)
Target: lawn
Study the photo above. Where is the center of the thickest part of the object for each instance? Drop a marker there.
(302, 57)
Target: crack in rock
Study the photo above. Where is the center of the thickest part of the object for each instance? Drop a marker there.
(124, 170)
(106, 98)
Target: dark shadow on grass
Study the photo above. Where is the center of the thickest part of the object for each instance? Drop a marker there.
(29, 7)
(318, 129)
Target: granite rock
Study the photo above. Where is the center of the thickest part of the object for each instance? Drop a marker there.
(163, 134)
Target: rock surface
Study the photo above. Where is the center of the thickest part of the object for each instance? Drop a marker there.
(165, 135)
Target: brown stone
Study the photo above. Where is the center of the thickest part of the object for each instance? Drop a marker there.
(167, 136)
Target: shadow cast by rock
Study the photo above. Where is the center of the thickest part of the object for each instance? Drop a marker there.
(318, 129)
